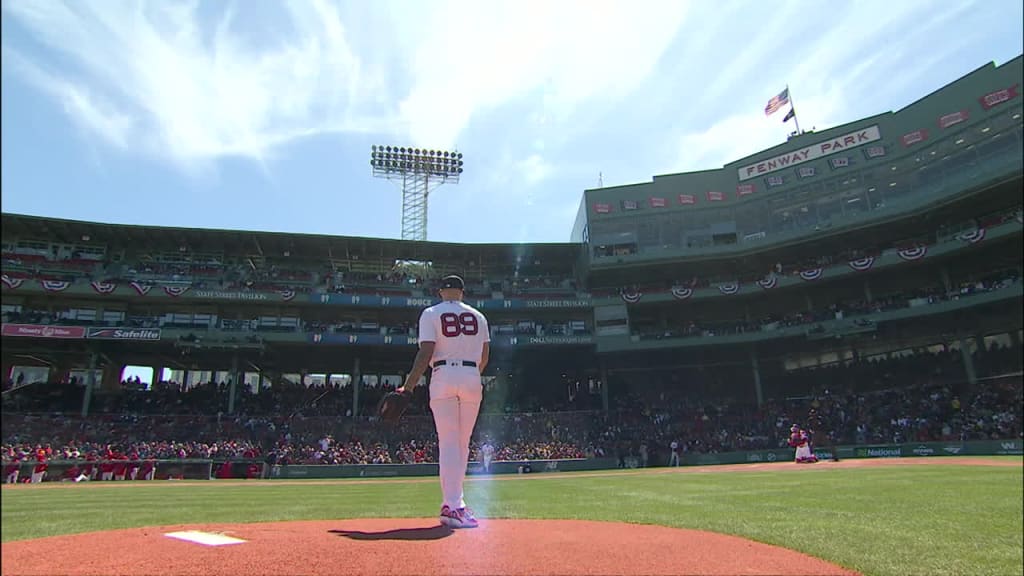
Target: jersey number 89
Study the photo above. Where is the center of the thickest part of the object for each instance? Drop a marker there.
(453, 325)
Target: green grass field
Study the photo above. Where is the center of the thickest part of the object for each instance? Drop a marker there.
(900, 520)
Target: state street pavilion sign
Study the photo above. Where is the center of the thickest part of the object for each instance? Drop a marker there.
(812, 152)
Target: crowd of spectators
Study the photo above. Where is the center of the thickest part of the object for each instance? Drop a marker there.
(913, 398)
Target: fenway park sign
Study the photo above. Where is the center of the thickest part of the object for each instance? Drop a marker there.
(149, 334)
(812, 152)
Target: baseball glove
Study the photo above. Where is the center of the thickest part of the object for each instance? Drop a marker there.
(393, 405)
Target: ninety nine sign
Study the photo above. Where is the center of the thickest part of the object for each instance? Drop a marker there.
(124, 333)
(36, 331)
(812, 152)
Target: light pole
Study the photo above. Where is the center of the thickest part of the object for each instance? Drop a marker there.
(418, 171)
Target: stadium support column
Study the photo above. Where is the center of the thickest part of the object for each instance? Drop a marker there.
(90, 383)
(357, 383)
(158, 375)
(757, 377)
(604, 388)
(946, 282)
(965, 353)
(234, 384)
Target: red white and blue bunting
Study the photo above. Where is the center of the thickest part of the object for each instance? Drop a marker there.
(175, 291)
(862, 264)
(142, 289)
(287, 295)
(12, 283)
(768, 282)
(681, 292)
(915, 253)
(103, 287)
(55, 285)
(811, 274)
(972, 237)
(631, 295)
(729, 289)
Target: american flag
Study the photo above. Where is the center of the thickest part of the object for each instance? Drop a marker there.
(777, 102)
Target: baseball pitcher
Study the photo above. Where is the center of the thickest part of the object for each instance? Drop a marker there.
(455, 343)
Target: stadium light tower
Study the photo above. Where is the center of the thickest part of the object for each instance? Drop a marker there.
(418, 171)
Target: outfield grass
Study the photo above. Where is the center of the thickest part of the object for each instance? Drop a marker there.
(905, 520)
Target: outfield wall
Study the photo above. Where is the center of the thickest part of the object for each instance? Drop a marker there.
(204, 469)
(917, 449)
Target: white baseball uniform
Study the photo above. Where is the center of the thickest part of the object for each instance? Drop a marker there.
(459, 332)
(487, 453)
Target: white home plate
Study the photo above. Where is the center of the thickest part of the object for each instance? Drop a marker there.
(205, 538)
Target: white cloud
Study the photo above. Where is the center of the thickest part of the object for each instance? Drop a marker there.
(85, 109)
(196, 85)
(477, 56)
(533, 169)
(192, 93)
(837, 59)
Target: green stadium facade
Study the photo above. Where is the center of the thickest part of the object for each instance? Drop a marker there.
(898, 232)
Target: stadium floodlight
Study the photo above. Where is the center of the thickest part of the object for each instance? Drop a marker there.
(418, 171)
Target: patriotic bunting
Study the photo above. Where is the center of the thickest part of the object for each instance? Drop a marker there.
(175, 291)
(729, 289)
(915, 253)
(681, 293)
(972, 237)
(768, 282)
(811, 274)
(631, 295)
(287, 295)
(142, 289)
(862, 264)
(55, 285)
(103, 287)
(12, 283)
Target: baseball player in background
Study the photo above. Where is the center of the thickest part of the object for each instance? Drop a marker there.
(487, 455)
(454, 342)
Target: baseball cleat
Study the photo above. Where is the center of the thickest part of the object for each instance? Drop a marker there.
(468, 520)
(450, 518)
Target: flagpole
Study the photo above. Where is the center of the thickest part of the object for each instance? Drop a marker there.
(792, 108)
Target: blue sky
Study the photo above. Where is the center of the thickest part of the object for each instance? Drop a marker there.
(260, 114)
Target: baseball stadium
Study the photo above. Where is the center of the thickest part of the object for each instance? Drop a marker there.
(854, 293)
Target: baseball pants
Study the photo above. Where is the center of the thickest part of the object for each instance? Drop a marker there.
(455, 396)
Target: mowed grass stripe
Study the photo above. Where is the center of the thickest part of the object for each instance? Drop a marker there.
(945, 519)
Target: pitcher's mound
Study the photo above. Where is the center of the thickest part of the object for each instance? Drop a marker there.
(406, 546)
